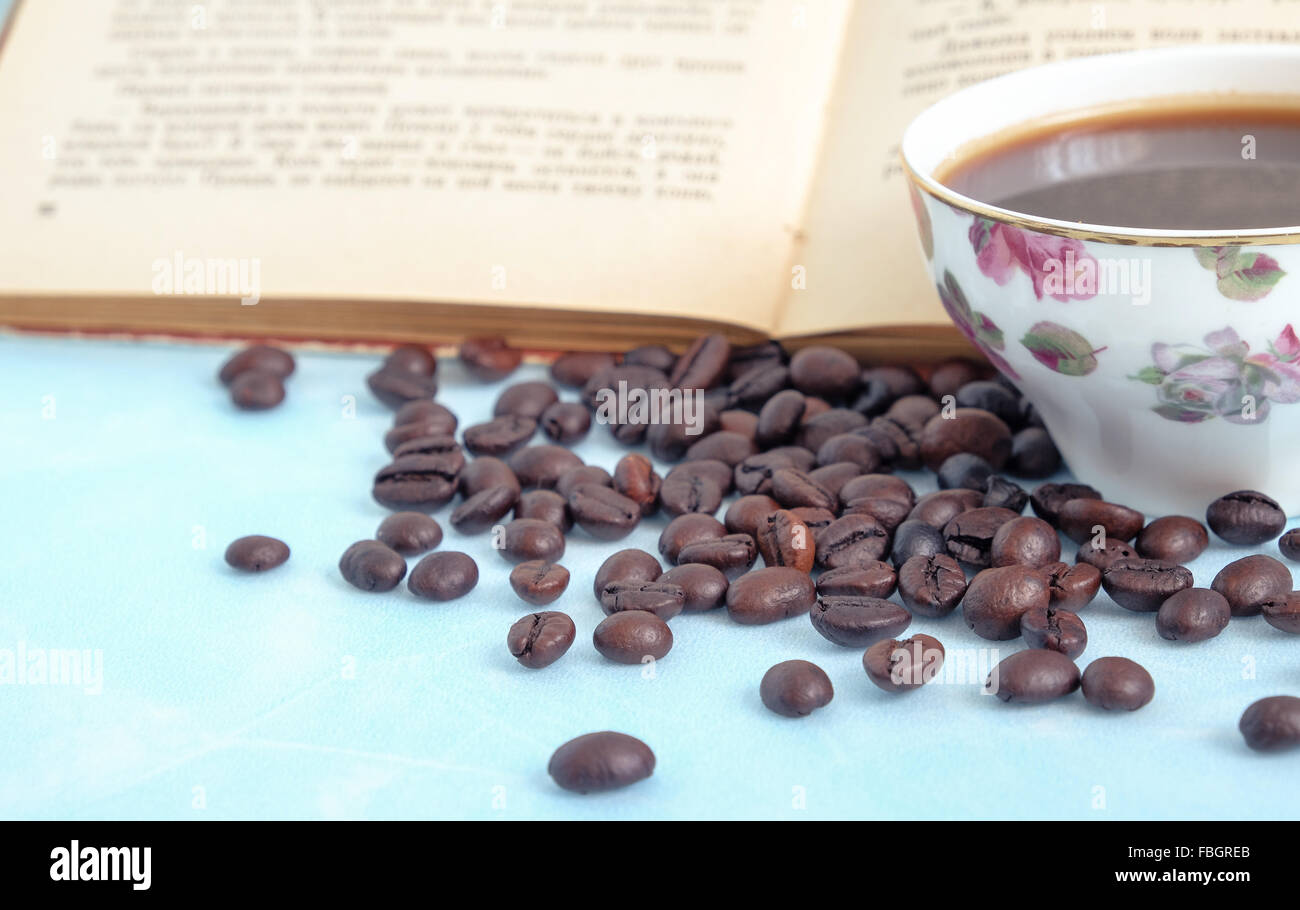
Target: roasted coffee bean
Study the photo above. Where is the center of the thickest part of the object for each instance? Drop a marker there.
(604, 385)
(901, 380)
(815, 432)
(1142, 585)
(669, 439)
(825, 371)
(856, 622)
(1033, 677)
(939, 508)
(543, 465)
(525, 539)
(729, 448)
(997, 598)
(579, 474)
(540, 639)
(417, 482)
(874, 398)
(1025, 541)
(800, 458)
(1000, 493)
(256, 390)
(483, 510)
(663, 599)
(754, 474)
(901, 666)
(704, 587)
(442, 421)
(545, 505)
(994, 397)
(834, 476)
(1284, 614)
(1117, 684)
(651, 355)
(446, 575)
(888, 513)
(635, 478)
(794, 488)
(703, 364)
(753, 389)
(490, 358)
(795, 688)
(815, 406)
(1105, 556)
(601, 761)
(1079, 518)
(1245, 518)
(412, 358)
(747, 357)
(964, 471)
(853, 540)
(1289, 544)
(525, 399)
(499, 436)
(630, 566)
(1272, 724)
(566, 422)
(1055, 629)
(912, 413)
(718, 472)
(685, 530)
(876, 579)
(1072, 586)
(878, 486)
(631, 636)
(445, 448)
(257, 553)
(576, 369)
(947, 377)
(779, 418)
(916, 538)
(896, 446)
(1033, 454)
(966, 430)
(409, 533)
(684, 493)
(371, 566)
(484, 473)
(1048, 498)
(1252, 582)
(261, 357)
(745, 514)
(969, 537)
(407, 438)
(851, 448)
(539, 582)
(1193, 614)
(817, 520)
(396, 387)
(784, 540)
(767, 595)
(931, 585)
(1174, 538)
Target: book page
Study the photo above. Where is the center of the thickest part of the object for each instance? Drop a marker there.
(632, 156)
(861, 257)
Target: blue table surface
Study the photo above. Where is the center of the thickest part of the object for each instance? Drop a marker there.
(126, 472)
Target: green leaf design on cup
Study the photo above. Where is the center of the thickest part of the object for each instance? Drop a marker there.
(1242, 274)
(1061, 349)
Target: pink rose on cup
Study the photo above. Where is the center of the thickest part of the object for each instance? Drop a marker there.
(1059, 266)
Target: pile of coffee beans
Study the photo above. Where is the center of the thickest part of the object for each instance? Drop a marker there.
(819, 524)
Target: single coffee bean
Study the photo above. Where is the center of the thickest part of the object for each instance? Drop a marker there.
(746, 513)
(1272, 724)
(576, 369)
(703, 364)
(779, 418)
(997, 598)
(1033, 677)
(256, 390)
(545, 505)
(732, 554)
(1284, 614)
(630, 636)
(719, 472)
(856, 622)
(1289, 544)
(525, 539)
(964, 471)
(1142, 585)
(483, 510)
(876, 579)
(1025, 541)
(815, 431)
(1117, 684)
(1173, 538)
(939, 508)
(966, 430)
(1078, 520)
(443, 576)
(1252, 582)
(409, 533)
(396, 387)
(851, 448)
(685, 530)
(445, 448)
(1003, 494)
(1105, 556)
(630, 566)
(602, 512)
(767, 595)
(257, 553)
(916, 538)
(895, 444)
(371, 566)
(261, 357)
(825, 371)
(1193, 614)
(746, 357)
(442, 421)
(817, 520)
(635, 478)
(794, 488)
(991, 396)
(499, 436)
(969, 536)
(784, 540)
(660, 598)
(406, 437)
(1033, 454)
(795, 688)
(566, 422)
(835, 475)
(1245, 518)
(888, 513)
(878, 486)
(640, 382)
(671, 437)
(902, 666)
(601, 761)
(950, 375)
(542, 466)
(412, 358)
(800, 458)
(525, 399)
(754, 474)
(815, 405)
(540, 639)
(853, 540)
(417, 482)
(901, 380)
(683, 494)
(931, 585)
(1048, 498)
(1072, 586)
(1054, 629)
(489, 359)
(912, 413)
(652, 355)
(569, 481)
(484, 473)
(704, 587)
(729, 448)
(539, 582)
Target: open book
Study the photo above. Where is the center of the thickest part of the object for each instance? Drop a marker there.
(568, 174)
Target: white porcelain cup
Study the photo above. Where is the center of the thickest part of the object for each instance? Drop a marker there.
(1173, 377)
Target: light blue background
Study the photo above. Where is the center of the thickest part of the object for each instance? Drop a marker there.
(119, 505)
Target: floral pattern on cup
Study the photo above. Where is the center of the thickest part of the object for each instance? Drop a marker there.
(1059, 266)
(1242, 274)
(1223, 379)
(1061, 349)
(982, 331)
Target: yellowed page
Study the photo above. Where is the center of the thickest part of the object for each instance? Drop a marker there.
(860, 256)
(638, 156)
